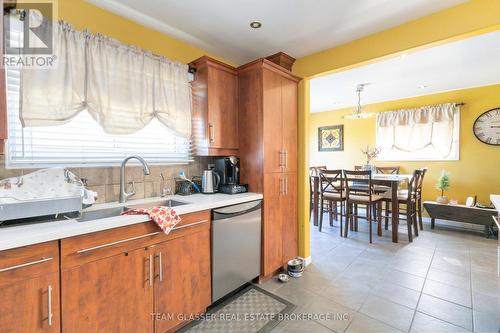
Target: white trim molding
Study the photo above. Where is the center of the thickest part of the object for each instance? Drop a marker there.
(307, 261)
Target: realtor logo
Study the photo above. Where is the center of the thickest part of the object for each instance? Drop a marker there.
(28, 33)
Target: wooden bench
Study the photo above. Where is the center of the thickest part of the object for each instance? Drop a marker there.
(461, 213)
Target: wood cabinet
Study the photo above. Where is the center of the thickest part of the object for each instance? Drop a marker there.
(288, 204)
(272, 122)
(289, 118)
(215, 108)
(136, 279)
(111, 294)
(272, 245)
(183, 281)
(268, 154)
(29, 289)
(280, 122)
(280, 220)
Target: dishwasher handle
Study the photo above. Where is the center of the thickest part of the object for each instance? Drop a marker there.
(236, 210)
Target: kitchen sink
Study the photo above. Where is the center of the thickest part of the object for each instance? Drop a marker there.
(111, 212)
(164, 203)
(101, 214)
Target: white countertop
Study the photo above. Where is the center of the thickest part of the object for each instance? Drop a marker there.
(495, 200)
(34, 233)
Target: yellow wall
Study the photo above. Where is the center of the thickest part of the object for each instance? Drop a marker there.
(470, 18)
(456, 22)
(475, 173)
(83, 15)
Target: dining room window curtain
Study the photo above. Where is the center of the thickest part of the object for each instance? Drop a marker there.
(121, 86)
(426, 133)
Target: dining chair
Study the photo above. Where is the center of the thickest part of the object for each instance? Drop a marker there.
(419, 196)
(331, 190)
(408, 198)
(354, 198)
(313, 172)
(360, 187)
(389, 170)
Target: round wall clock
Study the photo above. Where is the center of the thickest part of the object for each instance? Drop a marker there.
(487, 127)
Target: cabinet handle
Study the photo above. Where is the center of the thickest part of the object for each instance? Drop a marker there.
(117, 242)
(281, 185)
(25, 264)
(211, 132)
(189, 225)
(160, 262)
(286, 185)
(150, 270)
(281, 158)
(285, 163)
(113, 243)
(49, 302)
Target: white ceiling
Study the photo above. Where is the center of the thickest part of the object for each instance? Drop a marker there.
(467, 63)
(297, 27)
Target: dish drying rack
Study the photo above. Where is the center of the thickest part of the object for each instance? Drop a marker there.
(24, 209)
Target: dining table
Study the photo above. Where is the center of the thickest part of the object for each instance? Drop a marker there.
(391, 181)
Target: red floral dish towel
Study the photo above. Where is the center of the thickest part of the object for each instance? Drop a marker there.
(165, 217)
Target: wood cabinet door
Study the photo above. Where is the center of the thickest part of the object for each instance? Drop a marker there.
(222, 109)
(272, 122)
(113, 294)
(272, 245)
(289, 124)
(26, 304)
(182, 286)
(289, 215)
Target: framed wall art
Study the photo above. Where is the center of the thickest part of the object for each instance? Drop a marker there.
(331, 138)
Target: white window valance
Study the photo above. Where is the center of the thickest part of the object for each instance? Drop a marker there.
(122, 87)
(422, 115)
(52, 96)
(426, 133)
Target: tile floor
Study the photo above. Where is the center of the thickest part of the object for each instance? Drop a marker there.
(445, 281)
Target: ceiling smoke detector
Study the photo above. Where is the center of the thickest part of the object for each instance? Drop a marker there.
(255, 24)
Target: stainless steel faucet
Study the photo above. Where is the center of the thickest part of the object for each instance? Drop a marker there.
(123, 194)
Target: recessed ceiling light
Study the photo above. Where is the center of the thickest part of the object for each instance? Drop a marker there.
(422, 86)
(255, 24)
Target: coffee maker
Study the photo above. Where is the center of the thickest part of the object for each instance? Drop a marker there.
(228, 169)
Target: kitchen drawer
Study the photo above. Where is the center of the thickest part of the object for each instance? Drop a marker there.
(28, 262)
(82, 249)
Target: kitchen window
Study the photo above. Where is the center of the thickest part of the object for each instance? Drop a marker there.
(429, 133)
(82, 141)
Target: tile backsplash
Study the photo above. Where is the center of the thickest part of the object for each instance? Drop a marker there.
(106, 181)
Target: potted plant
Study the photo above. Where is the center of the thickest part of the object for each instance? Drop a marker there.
(443, 184)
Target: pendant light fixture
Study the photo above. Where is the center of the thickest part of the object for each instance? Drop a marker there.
(359, 113)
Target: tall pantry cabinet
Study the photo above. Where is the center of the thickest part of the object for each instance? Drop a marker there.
(268, 154)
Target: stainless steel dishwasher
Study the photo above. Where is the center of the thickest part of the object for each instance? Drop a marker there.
(236, 237)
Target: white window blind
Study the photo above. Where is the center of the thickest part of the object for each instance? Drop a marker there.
(82, 141)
